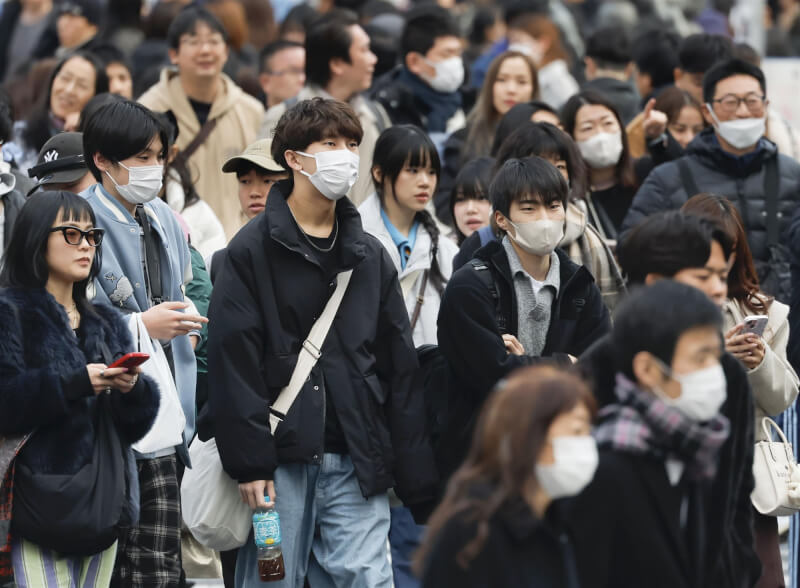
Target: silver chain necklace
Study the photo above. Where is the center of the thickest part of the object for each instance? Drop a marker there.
(317, 247)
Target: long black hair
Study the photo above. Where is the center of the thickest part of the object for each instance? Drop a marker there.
(37, 129)
(406, 145)
(472, 183)
(25, 259)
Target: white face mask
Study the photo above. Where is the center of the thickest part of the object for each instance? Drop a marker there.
(741, 133)
(575, 464)
(703, 392)
(336, 173)
(538, 237)
(601, 150)
(144, 183)
(449, 75)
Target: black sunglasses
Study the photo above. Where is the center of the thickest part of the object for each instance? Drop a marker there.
(74, 236)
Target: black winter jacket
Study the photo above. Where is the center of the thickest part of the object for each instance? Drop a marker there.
(729, 527)
(44, 384)
(713, 170)
(792, 240)
(12, 204)
(268, 294)
(471, 341)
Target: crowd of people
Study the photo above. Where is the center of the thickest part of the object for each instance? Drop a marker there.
(540, 262)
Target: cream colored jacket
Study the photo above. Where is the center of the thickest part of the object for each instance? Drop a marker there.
(240, 116)
(774, 381)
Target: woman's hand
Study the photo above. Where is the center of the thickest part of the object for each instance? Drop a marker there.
(513, 346)
(163, 321)
(655, 121)
(746, 347)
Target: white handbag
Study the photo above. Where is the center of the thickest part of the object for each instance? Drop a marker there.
(776, 473)
(213, 510)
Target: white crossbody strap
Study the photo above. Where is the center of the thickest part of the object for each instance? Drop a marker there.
(310, 352)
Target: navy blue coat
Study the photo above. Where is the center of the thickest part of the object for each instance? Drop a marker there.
(44, 385)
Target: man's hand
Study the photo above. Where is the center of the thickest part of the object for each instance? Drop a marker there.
(655, 121)
(252, 493)
(163, 321)
(513, 346)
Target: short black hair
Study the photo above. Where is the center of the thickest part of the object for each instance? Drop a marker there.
(6, 117)
(515, 118)
(727, 69)
(402, 146)
(668, 242)
(95, 103)
(518, 8)
(310, 121)
(531, 176)
(699, 52)
(185, 23)
(655, 53)
(118, 130)
(548, 141)
(326, 39)
(654, 318)
(609, 47)
(274, 48)
(471, 183)
(109, 54)
(424, 24)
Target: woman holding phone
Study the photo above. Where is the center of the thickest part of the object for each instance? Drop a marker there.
(760, 346)
(54, 379)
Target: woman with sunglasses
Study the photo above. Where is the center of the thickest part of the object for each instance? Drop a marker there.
(54, 351)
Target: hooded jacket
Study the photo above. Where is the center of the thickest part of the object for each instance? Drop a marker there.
(269, 292)
(739, 179)
(238, 119)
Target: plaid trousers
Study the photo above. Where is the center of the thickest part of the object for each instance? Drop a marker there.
(149, 554)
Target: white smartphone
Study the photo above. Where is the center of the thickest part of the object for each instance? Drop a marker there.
(755, 324)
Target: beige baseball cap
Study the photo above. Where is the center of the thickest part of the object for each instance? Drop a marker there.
(259, 153)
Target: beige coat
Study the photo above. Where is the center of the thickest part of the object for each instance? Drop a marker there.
(774, 381)
(367, 114)
(240, 116)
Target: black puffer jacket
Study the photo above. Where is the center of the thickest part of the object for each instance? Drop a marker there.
(267, 296)
(740, 179)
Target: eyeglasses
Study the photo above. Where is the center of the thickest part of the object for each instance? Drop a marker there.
(74, 236)
(195, 43)
(730, 103)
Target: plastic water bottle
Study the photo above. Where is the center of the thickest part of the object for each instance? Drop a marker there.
(267, 534)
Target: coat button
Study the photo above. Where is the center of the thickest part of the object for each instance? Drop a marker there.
(138, 285)
(133, 230)
(315, 457)
(316, 387)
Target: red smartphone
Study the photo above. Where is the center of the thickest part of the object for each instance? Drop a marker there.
(130, 360)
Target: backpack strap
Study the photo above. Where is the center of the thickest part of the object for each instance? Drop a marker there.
(487, 277)
(686, 178)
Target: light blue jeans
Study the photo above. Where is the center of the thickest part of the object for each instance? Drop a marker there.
(330, 532)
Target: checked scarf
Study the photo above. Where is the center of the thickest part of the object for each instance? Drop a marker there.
(642, 424)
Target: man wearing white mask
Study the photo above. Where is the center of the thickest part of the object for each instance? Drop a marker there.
(357, 426)
(145, 265)
(339, 65)
(734, 159)
(424, 90)
(647, 516)
(674, 246)
(520, 301)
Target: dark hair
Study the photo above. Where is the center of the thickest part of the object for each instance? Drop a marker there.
(178, 165)
(109, 54)
(384, 45)
(95, 103)
(550, 142)
(654, 318)
(743, 283)
(531, 176)
(310, 121)
(672, 100)
(25, 259)
(698, 53)
(185, 23)
(157, 23)
(655, 53)
(471, 183)
(37, 130)
(299, 19)
(406, 145)
(521, 8)
(483, 119)
(727, 69)
(668, 242)
(515, 118)
(6, 117)
(508, 441)
(484, 19)
(119, 130)
(625, 174)
(327, 39)
(232, 16)
(273, 49)
(747, 53)
(609, 47)
(425, 23)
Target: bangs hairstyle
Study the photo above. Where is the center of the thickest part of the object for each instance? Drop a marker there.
(515, 118)
(399, 147)
(310, 121)
(550, 142)
(673, 100)
(624, 172)
(119, 130)
(472, 183)
(509, 438)
(25, 260)
(528, 179)
(743, 283)
(186, 21)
